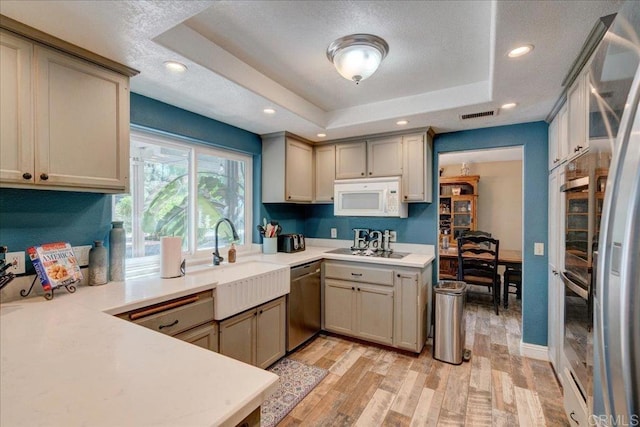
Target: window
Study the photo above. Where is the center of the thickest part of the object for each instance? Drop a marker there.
(179, 188)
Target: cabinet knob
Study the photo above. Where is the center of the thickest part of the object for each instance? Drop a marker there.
(331, 197)
(289, 197)
(362, 173)
(353, 288)
(405, 197)
(27, 175)
(370, 173)
(44, 176)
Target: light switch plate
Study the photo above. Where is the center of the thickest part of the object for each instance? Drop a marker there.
(538, 249)
(334, 233)
(82, 255)
(392, 236)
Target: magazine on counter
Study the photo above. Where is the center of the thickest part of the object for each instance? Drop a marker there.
(55, 264)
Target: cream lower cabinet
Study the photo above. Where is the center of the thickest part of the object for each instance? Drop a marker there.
(360, 310)
(187, 318)
(378, 303)
(65, 121)
(256, 336)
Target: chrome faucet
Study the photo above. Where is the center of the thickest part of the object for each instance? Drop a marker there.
(217, 259)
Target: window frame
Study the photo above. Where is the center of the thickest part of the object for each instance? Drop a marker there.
(138, 266)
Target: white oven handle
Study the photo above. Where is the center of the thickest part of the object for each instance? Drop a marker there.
(583, 293)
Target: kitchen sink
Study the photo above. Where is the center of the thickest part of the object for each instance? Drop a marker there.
(245, 285)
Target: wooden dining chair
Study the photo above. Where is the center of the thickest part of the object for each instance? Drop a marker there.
(512, 277)
(478, 264)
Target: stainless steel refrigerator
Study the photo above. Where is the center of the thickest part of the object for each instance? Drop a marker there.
(616, 90)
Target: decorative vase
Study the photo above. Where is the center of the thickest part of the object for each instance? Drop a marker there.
(98, 264)
(116, 252)
(464, 170)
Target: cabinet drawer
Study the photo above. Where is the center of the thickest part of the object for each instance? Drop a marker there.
(179, 315)
(356, 273)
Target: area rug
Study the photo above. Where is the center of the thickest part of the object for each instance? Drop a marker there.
(296, 381)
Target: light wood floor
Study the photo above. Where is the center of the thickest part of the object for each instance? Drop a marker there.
(371, 386)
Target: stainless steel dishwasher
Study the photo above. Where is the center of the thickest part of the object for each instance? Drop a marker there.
(303, 309)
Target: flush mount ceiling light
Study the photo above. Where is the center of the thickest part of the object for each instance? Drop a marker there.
(358, 56)
(508, 105)
(402, 122)
(175, 67)
(520, 51)
(322, 135)
(269, 111)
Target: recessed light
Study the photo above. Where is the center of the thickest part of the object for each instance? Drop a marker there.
(402, 122)
(269, 111)
(520, 50)
(508, 105)
(175, 67)
(322, 135)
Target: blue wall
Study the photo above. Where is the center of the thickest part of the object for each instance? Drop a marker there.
(533, 138)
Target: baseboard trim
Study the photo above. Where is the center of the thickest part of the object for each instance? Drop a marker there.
(534, 351)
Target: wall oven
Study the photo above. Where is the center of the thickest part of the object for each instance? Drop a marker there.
(584, 187)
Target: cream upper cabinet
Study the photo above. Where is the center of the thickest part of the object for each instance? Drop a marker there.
(65, 121)
(553, 142)
(577, 101)
(351, 160)
(299, 171)
(563, 134)
(82, 116)
(417, 166)
(384, 157)
(287, 169)
(325, 168)
(16, 110)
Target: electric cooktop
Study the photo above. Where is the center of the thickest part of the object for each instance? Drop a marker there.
(368, 253)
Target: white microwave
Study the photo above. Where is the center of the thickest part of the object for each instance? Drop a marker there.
(369, 197)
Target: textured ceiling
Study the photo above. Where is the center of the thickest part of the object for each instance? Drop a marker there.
(446, 58)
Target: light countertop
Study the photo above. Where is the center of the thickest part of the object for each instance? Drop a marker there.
(70, 362)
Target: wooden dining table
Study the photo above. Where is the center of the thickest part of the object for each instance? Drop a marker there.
(449, 261)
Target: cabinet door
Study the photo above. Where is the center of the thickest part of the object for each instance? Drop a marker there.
(563, 133)
(577, 115)
(351, 160)
(205, 336)
(407, 313)
(339, 313)
(237, 337)
(325, 172)
(374, 308)
(16, 113)
(554, 157)
(384, 157)
(82, 124)
(416, 168)
(299, 171)
(271, 332)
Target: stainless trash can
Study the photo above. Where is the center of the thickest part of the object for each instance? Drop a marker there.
(448, 340)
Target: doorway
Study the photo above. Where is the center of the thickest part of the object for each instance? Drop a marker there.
(496, 175)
